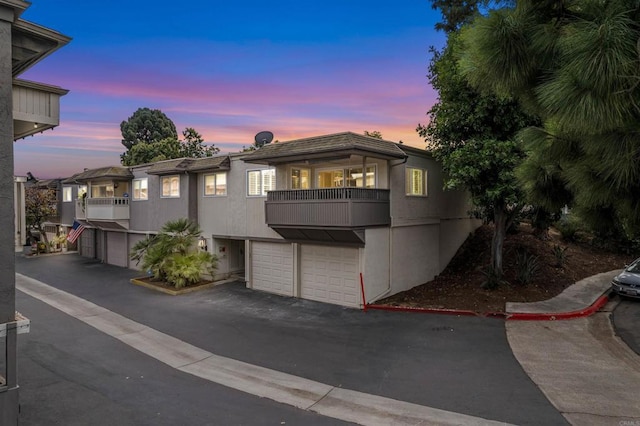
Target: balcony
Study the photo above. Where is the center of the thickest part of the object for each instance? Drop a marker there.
(334, 208)
(113, 208)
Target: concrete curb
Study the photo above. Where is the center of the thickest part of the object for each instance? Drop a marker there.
(581, 299)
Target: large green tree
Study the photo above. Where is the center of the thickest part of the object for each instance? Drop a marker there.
(150, 136)
(576, 64)
(473, 134)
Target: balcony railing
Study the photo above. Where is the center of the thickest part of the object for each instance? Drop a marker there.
(328, 207)
(81, 209)
(114, 208)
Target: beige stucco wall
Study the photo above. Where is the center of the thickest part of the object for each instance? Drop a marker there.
(376, 270)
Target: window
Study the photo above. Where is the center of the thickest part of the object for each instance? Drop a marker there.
(171, 187)
(82, 190)
(140, 189)
(416, 182)
(215, 184)
(260, 181)
(351, 177)
(102, 191)
(300, 179)
(67, 195)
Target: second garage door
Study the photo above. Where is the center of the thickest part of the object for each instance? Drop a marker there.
(272, 267)
(330, 274)
(117, 249)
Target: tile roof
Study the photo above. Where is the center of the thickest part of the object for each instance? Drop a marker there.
(326, 145)
(219, 162)
(177, 165)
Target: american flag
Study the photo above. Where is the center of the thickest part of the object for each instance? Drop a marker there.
(75, 232)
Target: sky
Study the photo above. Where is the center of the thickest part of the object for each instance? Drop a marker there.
(230, 70)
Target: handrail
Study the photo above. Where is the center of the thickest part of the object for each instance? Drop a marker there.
(369, 194)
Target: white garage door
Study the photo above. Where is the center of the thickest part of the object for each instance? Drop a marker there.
(272, 267)
(330, 274)
(117, 249)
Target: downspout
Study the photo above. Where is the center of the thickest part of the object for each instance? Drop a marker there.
(388, 290)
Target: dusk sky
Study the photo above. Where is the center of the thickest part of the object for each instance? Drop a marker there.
(229, 70)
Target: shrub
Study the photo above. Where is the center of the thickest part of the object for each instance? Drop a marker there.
(172, 255)
(526, 266)
(560, 253)
(492, 279)
(568, 228)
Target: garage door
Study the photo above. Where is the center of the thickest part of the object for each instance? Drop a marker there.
(272, 267)
(86, 243)
(330, 274)
(117, 248)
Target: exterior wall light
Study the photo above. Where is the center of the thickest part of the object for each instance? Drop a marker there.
(202, 243)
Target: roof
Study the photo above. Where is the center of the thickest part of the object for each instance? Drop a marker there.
(181, 165)
(327, 146)
(111, 172)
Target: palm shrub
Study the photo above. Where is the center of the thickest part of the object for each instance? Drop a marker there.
(172, 255)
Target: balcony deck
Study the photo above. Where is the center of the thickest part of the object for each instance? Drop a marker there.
(348, 208)
(114, 208)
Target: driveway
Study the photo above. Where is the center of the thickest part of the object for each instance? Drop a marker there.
(458, 364)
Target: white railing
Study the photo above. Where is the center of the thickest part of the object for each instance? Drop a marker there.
(114, 208)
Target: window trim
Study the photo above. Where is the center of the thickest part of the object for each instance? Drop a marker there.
(263, 192)
(215, 184)
(310, 177)
(425, 181)
(133, 189)
(345, 172)
(162, 178)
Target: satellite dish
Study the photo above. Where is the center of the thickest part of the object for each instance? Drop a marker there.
(263, 138)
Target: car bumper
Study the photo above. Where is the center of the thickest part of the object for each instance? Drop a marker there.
(625, 290)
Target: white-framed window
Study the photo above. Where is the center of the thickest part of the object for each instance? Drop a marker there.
(416, 182)
(300, 178)
(260, 181)
(170, 186)
(67, 194)
(104, 190)
(140, 189)
(349, 177)
(215, 185)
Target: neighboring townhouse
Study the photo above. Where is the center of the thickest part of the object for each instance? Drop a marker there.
(330, 218)
(26, 108)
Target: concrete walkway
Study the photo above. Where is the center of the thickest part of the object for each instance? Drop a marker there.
(584, 369)
(327, 400)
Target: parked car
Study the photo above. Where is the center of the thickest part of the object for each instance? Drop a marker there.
(627, 283)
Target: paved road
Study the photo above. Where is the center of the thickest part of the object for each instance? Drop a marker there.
(460, 364)
(626, 319)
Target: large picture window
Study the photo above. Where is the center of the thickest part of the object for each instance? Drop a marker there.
(350, 177)
(102, 191)
(141, 189)
(416, 182)
(171, 186)
(215, 184)
(260, 181)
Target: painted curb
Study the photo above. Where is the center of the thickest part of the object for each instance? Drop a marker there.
(527, 316)
(514, 316)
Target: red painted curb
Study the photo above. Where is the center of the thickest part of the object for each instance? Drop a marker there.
(599, 303)
(434, 311)
(516, 316)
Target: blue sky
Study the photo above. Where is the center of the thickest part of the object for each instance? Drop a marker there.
(229, 70)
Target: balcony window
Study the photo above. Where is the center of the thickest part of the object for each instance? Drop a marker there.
(171, 187)
(102, 191)
(350, 177)
(67, 194)
(300, 178)
(416, 182)
(260, 181)
(354, 177)
(140, 189)
(215, 185)
(331, 178)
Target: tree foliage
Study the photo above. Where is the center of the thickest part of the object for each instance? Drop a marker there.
(473, 135)
(172, 255)
(40, 205)
(147, 126)
(577, 66)
(373, 134)
(151, 136)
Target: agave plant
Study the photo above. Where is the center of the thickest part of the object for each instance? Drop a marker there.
(172, 255)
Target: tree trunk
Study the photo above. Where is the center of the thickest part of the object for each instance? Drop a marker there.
(500, 218)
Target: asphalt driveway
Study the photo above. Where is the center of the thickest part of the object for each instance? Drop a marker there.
(460, 364)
